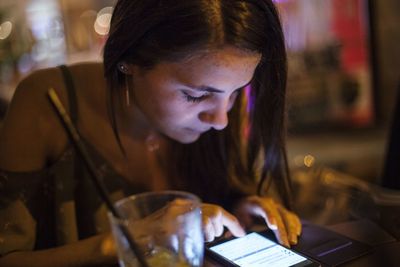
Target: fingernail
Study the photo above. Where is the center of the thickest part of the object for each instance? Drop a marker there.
(243, 232)
(293, 240)
(285, 242)
(273, 227)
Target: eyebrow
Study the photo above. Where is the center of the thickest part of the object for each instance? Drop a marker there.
(207, 89)
(214, 90)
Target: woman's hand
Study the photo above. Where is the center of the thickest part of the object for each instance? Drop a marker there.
(285, 224)
(215, 218)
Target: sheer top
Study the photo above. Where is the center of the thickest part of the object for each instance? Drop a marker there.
(57, 205)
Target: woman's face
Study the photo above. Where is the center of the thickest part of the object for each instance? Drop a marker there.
(184, 99)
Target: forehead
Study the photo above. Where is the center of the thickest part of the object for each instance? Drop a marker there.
(223, 57)
(227, 63)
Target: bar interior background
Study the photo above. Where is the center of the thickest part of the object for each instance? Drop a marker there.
(344, 60)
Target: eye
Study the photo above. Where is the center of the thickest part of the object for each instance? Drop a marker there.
(193, 99)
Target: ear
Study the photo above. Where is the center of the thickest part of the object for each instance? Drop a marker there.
(124, 68)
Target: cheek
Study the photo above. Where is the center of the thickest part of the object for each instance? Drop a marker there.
(173, 109)
(183, 112)
(166, 106)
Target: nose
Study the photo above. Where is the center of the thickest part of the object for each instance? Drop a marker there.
(216, 117)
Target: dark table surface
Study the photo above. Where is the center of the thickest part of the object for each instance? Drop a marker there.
(386, 248)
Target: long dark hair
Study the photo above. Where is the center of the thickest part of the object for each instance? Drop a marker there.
(147, 32)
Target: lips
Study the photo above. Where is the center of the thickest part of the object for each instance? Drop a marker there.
(197, 131)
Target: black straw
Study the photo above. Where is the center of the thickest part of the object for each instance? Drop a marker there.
(101, 189)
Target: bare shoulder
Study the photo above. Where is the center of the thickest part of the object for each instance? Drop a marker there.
(31, 133)
(37, 83)
(88, 77)
(30, 97)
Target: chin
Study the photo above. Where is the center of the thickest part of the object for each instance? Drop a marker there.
(181, 134)
(186, 138)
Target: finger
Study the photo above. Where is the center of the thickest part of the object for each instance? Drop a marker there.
(291, 227)
(208, 230)
(292, 223)
(269, 218)
(260, 207)
(298, 224)
(218, 224)
(275, 220)
(281, 233)
(232, 223)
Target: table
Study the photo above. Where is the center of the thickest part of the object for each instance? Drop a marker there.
(386, 249)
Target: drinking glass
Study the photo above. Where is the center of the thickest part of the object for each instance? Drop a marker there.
(166, 226)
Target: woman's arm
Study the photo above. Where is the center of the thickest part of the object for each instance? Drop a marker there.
(94, 251)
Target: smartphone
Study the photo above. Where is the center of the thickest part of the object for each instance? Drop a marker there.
(255, 250)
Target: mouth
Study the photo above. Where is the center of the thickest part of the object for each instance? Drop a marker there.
(197, 131)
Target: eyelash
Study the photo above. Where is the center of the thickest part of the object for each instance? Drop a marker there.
(194, 99)
(197, 99)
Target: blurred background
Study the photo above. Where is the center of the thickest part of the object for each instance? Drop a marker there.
(344, 70)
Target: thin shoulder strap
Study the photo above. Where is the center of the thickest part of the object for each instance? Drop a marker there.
(72, 100)
(79, 169)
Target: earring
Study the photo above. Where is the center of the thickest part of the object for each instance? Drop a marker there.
(123, 68)
(127, 93)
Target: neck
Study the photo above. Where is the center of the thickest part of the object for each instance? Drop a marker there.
(134, 124)
(131, 120)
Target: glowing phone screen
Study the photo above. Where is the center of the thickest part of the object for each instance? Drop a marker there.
(254, 250)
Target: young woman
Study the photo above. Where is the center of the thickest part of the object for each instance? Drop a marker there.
(190, 96)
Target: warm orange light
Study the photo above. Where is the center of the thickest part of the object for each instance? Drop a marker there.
(309, 161)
